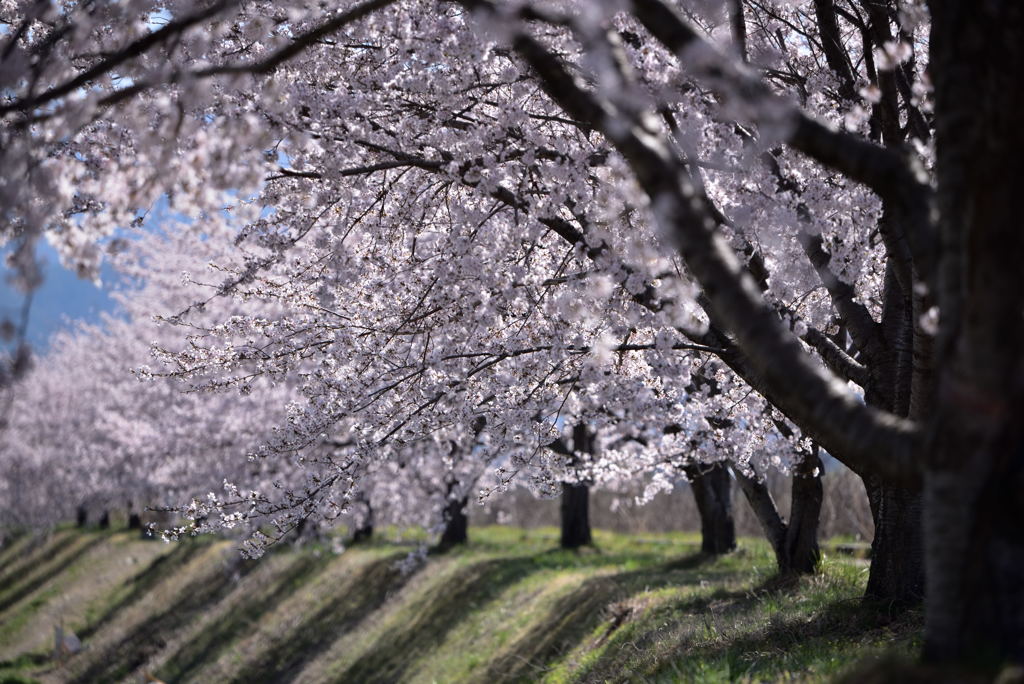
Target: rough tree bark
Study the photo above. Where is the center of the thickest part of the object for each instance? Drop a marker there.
(802, 552)
(974, 539)
(712, 490)
(795, 543)
(897, 550)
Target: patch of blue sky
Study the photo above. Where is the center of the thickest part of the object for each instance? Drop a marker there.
(64, 298)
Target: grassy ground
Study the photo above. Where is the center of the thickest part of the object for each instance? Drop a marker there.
(509, 607)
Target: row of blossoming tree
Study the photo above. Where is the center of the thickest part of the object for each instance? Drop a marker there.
(735, 231)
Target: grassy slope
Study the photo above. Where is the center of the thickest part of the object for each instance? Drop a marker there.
(509, 607)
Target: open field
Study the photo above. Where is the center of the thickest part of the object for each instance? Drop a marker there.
(509, 607)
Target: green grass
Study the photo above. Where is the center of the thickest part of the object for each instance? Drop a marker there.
(508, 607)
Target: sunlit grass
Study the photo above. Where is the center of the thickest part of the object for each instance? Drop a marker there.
(510, 606)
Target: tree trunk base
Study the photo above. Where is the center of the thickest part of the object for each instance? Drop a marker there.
(362, 534)
(456, 525)
(712, 490)
(897, 550)
(575, 510)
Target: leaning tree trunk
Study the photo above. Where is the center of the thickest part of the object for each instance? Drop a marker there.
(81, 516)
(712, 490)
(575, 510)
(456, 524)
(897, 549)
(795, 543)
(974, 478)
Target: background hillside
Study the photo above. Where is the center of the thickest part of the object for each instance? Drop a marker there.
(509, 607)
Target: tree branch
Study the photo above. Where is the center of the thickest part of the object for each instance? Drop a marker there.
(865, 438)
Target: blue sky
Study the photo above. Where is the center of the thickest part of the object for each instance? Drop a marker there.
(63, 298)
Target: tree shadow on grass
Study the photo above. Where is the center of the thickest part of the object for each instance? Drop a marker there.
(474, 586)
(46, 571)
(358, 596)
(149, 637)
(832, 631)
(158, 570)
(35, 549)
(208, 644)
(786, 644)
(597, 600)
(444, 606)
(14, 549)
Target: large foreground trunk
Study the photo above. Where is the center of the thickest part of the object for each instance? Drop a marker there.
(712, 490)
(974, 539)
(575, 510)
(897, 550)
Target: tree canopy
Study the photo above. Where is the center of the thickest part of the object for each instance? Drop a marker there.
(449, 231)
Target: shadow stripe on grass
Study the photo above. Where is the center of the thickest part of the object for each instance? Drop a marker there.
(358, 597)
(121, 658)
(159, 569)
(35, 551)
(468, 590)
(46, 572)
(215, 638)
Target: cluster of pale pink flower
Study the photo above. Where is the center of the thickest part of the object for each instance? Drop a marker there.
(401, 263)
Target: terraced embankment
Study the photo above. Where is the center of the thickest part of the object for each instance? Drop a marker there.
(508, 607)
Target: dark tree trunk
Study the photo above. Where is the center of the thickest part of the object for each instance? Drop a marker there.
(575, 515)
(795, 543)
(802, 553)
(974, 538)
(81, 516)
(363, 532)
(134, 519)
(897, 550)
(105, 520)
(456, 524)
(767, 513)
(712, 490)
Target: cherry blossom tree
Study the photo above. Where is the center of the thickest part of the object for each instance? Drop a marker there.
(85, 431)
(523, 214)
